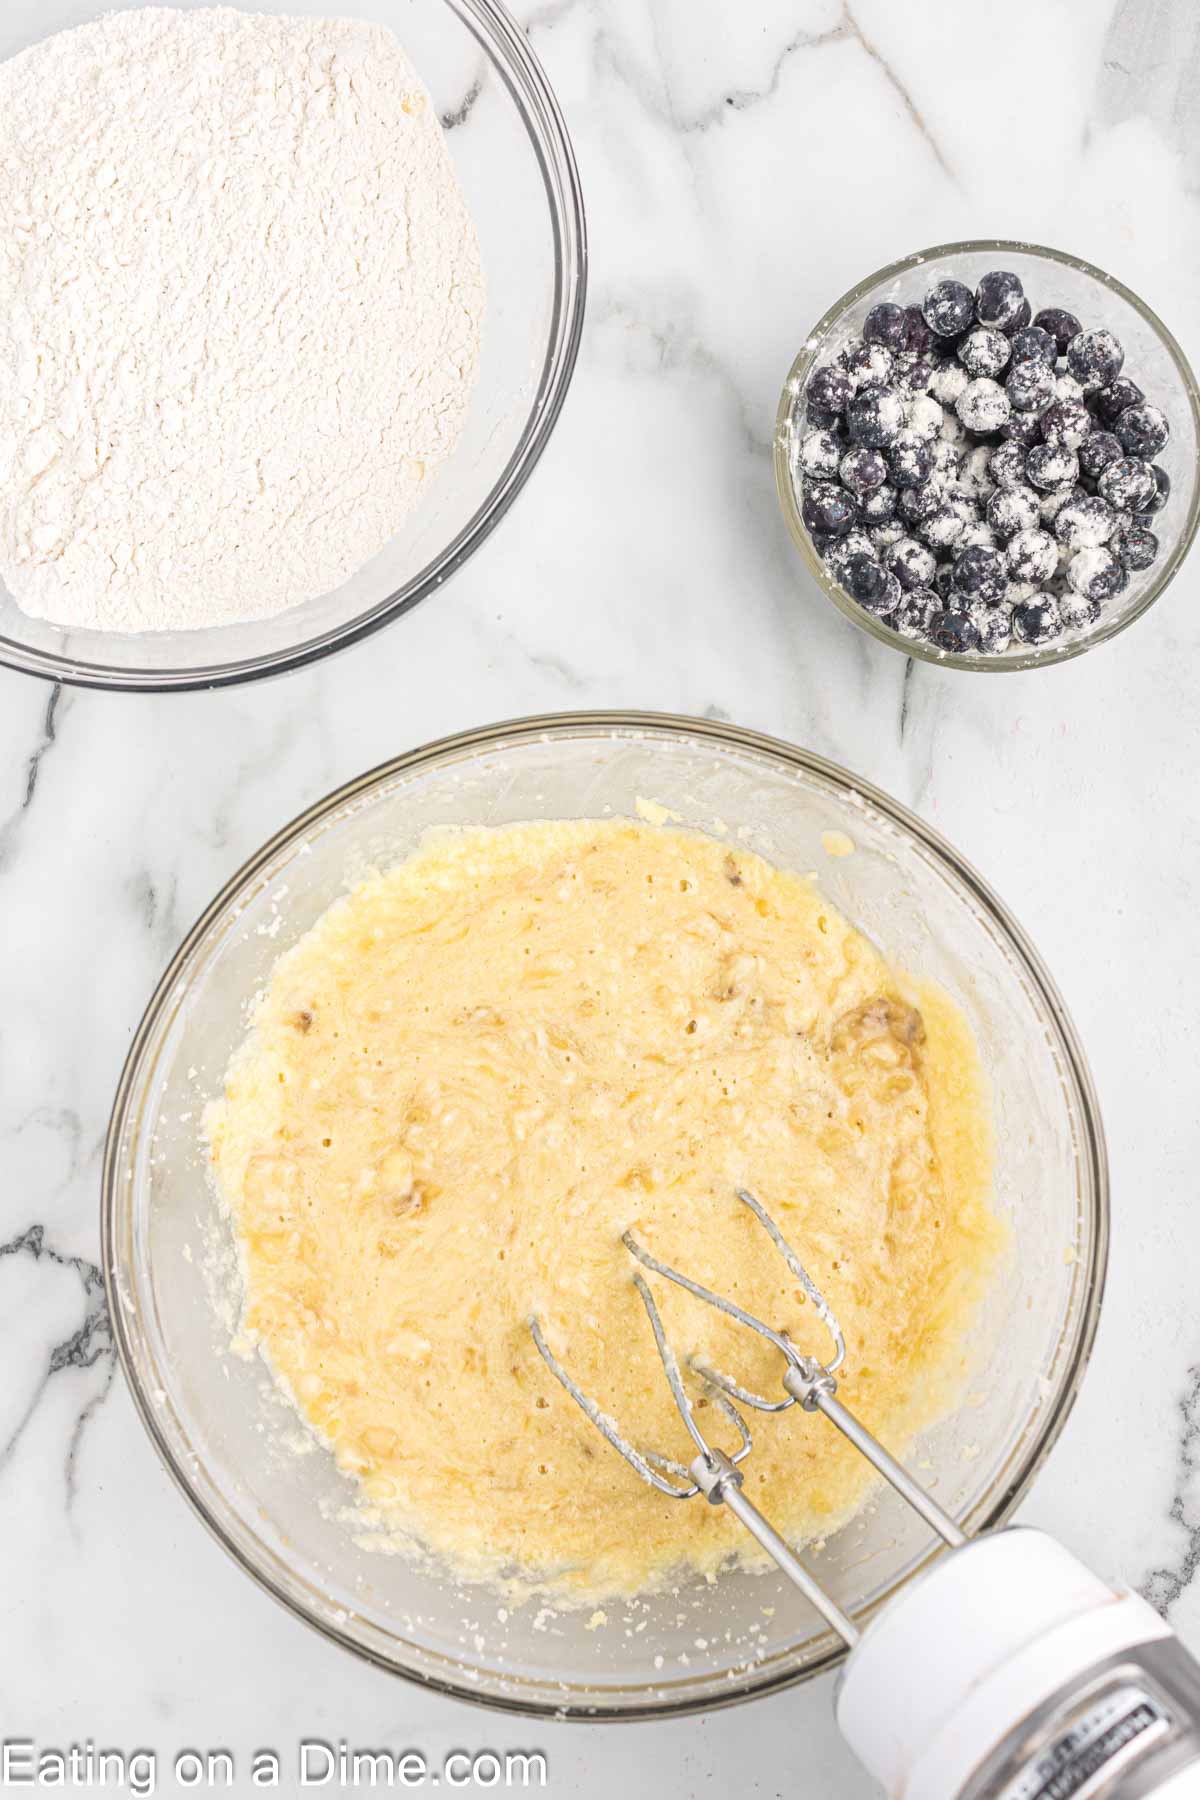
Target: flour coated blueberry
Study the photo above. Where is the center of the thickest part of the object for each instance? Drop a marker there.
(979, 474)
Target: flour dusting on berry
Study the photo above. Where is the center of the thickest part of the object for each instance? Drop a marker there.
(978, 475)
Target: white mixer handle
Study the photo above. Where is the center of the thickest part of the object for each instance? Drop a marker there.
(1011, 1672)
(1007, 1671)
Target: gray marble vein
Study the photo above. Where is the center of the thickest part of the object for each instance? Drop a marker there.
(906, 686)
(155, 901)
(47, 737)
(1165, 1586)
(89, 1345)
(741, 99)
(614, 57)
(662, 322)
(47, 741)
(851, 28)
(458, 115)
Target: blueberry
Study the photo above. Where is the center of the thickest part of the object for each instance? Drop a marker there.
(1023, 316)
(983, 406)
(917, 335)
(947, 461)
(1143, 430)
(912, 373)
(910, 460)
(1134, 546)
(1094, 358)
(885, 598)
(1034, 345)
(911, 617)
(855, 543)
(1129, 484)
(978, 535)
(1076, 610)
(1085, 522)
(1098, 449)
(819, 418)
(1052, 466)
(1067, 422)
(945, 526)
(911, 563)
(999, 298)
(1062, 326)
(1007, 465)
(949, 309)
(1011, 510)
(943, 581)
(1036, 621)
(1052, 503)
(953, 630)
(862, 470)
(916, 504)
(954, 432)
(1030, 386)
(975, 477)
(830, 388)
(984, 351)
(1096, 573)
(820, 453)
(875, 416)
(867, 365)
(827, 508)
(863, 578)
(1111, 401)
(1032, 556)
(994, 625)
(925, 415)
(981, 574)
(1162, 491)
(882, 537)
(949, 382)
(1023, 428)
(884, 324)
(879, 506)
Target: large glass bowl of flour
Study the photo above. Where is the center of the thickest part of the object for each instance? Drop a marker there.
(510, 151)
(233, 1445)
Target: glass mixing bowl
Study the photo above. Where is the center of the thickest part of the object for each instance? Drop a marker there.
(510, 147)
(218, 1422)
(1051, 278)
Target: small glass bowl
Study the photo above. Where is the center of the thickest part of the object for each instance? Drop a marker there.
(1051, 278)
(216, 1419)
(510, 148)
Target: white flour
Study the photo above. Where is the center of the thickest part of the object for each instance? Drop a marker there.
(240, 303)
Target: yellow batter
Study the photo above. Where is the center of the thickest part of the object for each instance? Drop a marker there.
(478, 1069)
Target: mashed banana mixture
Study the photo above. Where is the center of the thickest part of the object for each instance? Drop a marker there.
(479, 1069)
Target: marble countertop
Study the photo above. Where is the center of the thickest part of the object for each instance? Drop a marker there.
(742, 166)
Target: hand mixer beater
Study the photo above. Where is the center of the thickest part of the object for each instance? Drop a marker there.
(1008, 1671)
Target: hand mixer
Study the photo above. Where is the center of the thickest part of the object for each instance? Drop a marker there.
(1008, 1671)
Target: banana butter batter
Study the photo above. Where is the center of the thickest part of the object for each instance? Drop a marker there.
(480, 1068)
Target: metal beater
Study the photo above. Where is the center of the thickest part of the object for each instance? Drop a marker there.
(1008, 1672)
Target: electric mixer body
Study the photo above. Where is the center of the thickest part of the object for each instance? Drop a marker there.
(1008, 1671)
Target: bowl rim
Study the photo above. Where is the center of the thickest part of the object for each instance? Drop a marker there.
(528, 85)
(1040, 1434)
(976, 663)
